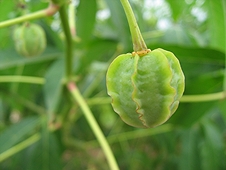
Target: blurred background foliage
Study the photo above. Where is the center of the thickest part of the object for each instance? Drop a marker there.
(42, 128)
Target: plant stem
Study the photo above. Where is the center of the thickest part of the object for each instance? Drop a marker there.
(224, 7)
(72, 20)
(17, 148)
(69, 49)
(94, 125)
(52, 9)
(204, 97)
(22, 79)
(138, 41)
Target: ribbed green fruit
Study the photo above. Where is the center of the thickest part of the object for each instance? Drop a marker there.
(30, 39)
(145, 90)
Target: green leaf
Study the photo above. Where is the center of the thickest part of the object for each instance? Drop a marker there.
(18, 132)
(189, 113)
(222, 107)
(177, 7)
(53, 86)
(9, 58)
(189, 158)
(194, 55)
(86, 16)
(6, 8)
(212, 148)
(44, 154)
(99, 49)
(51, 35)
(217, 23)
(36, 5)
(176, 34)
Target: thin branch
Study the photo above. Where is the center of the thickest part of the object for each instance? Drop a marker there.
(69, 42)
(94, 125)
(51, 10)
(203, 97)
(22, 79)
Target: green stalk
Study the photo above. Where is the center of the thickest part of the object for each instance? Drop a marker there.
(22, 79)
(72, 15)
(94, 126)
(138, 41)
(203, 97)
(52, 9)
(69, 44)
(224, 7)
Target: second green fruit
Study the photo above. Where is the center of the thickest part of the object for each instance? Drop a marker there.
(30, 39)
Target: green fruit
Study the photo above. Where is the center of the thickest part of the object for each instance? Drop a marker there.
(30, 39)
(145, 89)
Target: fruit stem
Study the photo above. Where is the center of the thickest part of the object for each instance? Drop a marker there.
(69, 43)
(138, 41)
(52, 9)
(72, 20)
(204, 97)
(94, 125)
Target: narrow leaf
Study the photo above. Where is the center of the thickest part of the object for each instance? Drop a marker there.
(53, 86)
(217, 23)
(212, 149)
(177, 8)
(17, 132)
(86, 16)
(189, 157)
(44, 154)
